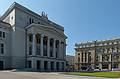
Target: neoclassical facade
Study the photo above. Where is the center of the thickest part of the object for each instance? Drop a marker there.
(98, 55)
(34, 42)
(4, 44)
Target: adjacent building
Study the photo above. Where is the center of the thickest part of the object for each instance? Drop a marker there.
(5, 44)
(70, 62)
(29, 40)
(98, 55)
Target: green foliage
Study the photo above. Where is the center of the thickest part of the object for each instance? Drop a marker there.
(96, 74)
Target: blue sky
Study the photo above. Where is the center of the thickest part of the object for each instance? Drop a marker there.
(83, 20)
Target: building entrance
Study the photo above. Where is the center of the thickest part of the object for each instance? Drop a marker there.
(1, 65)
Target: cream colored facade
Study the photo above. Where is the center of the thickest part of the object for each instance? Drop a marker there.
(98, 55)
(35, 42)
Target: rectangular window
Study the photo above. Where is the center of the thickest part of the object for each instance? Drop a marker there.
(30, 50)
(62, 65)
(51, 51)
(51, 47)
(38, 40)
(38, 64)
(78, 59)
(30, 38)
(3, 34)
(37, 50)
(2, 48)
(0, 34)
(82, 57)
(52, 66)
(45, 50)
(30, 21)
(57, 65)
(45, 65)
(89, 56)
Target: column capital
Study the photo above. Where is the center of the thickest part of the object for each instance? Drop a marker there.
(48, 37)
(42, 35)
(33, 33)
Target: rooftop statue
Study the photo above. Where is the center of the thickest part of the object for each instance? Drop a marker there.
(44, 15)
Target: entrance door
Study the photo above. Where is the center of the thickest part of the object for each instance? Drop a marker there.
(52, 65)
(1, 65)
(57, 66)
(45, 65)
(38, 65)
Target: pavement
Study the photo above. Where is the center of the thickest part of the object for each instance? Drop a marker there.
(42, 75)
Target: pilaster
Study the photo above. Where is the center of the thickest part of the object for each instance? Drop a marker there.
(110, 61)
(48, 47)
(54, 51)
(41, 44)
(34, 45)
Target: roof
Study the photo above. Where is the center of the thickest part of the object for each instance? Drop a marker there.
(16, 5)
(4, 24)
(43, 26)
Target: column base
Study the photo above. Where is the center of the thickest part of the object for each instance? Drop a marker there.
(109, 67)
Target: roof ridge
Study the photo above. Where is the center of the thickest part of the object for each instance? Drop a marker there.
(17, 5)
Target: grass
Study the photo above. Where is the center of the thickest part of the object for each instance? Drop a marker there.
(96, 74)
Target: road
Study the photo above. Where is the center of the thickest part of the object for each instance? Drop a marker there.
(42, 75)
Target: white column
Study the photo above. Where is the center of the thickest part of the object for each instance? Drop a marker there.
(87, 58)
(27, 45)
(100, 66)
(110, 58)
(64, 50)
(55, 66)
(100, 63)
(49, 65)
(54, 51)
(119, 63)
(80, 57)
(34, 45)
(53, 48)
(41, 45)
(60, 66)
(110, 61)
(42, 65)
(60, 50)
(33, 63)
(48, 47)
(100, 57)
(84, 57)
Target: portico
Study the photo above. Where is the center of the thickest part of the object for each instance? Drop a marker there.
(47, 47)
